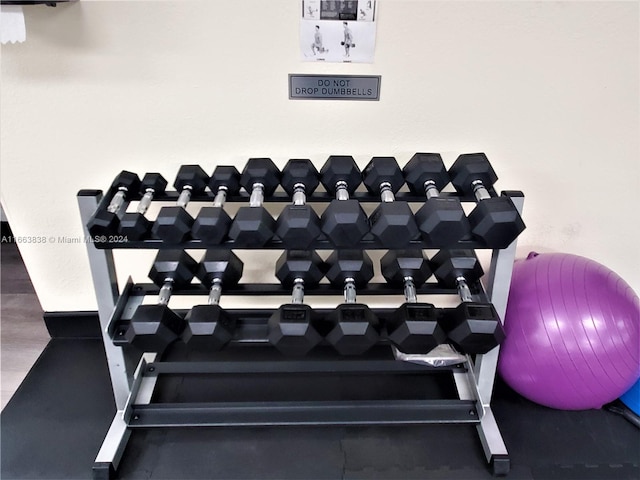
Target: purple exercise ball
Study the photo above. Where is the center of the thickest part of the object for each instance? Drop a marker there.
(572, 332)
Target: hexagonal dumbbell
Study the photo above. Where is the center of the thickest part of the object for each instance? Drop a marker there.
(253, 226)
(413, 327)
(106, 221)
(343, 222)
(135, 226)
(473, 327)
(212, 223)
(208, 326)
(355, 328)
(495, 220)
(441, 220)
(173, 224)
(293, 328)
(298, 224)
(154, 327)
(392, 221)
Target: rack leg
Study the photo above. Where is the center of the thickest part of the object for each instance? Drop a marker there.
(108, 458)
(490, 437)
(497, 286)
(494, 448)
(106, 287)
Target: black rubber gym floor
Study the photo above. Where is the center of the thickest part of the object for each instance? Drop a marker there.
(55, 424)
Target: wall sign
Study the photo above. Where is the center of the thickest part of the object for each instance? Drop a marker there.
(334, 87)
(342, 31)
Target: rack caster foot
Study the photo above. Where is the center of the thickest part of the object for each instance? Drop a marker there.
(103, 471)
(500, 465)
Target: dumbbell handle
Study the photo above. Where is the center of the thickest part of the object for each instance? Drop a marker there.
(480, 190)
(410, 290)
(299, 194)
(386, 193)
(297, 293)
(463, 289)
(215, 292)
(165, 291)
(342, 191)
(221, 196)
(185, 196)
(430, 189)
(257, 195)
(118, 200)
(349, 290)
(145, 202)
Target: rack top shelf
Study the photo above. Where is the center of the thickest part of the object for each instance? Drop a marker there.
(369, 242)
(283, 197)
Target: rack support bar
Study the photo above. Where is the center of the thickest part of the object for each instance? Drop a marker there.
(497, 288)
(105, 284)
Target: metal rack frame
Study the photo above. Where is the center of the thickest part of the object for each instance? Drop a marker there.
(134, 378)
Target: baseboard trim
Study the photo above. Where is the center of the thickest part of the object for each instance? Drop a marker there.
(74, 324)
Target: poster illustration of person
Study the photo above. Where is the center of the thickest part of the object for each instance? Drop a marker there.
(329, 29)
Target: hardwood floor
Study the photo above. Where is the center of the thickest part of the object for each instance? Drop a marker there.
(23, 334)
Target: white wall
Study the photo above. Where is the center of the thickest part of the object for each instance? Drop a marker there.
(549, 90)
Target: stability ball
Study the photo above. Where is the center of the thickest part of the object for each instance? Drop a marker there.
(572, 332)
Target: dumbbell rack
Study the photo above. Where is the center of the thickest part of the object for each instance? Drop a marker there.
(134, 375)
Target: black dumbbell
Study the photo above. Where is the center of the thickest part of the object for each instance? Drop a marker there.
(343, 222)
(298, 224)
(208, 326)
(106, 221)
(354, 327)
(253, 226)
(495, 220)
(212, 223)
(413, 327)
(473, 327)
(293, 328)
(135, 226)
(173, 224)
(441, 220)
(154, 327)
(392, 221)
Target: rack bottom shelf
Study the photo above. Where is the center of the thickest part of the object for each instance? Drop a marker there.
(272, 391)
(251, 414)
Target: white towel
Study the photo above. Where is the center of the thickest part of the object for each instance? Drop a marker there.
(12, 28)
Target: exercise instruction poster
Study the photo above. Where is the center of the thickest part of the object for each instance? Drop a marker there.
(342, 31)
